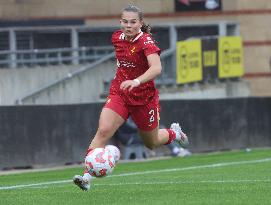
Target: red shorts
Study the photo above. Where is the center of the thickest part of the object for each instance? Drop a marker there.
(146, 117)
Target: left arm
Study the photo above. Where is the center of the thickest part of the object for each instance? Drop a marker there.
(154, 70)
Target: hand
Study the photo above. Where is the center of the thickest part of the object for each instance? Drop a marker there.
(129, 84)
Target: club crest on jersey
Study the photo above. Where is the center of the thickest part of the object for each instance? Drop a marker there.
(133, 50)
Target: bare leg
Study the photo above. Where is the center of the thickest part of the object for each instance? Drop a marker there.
(154, 138)
(157, 137)
(109, 122)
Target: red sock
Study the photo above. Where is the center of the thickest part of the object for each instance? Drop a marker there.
(171, 136)
(88, 151)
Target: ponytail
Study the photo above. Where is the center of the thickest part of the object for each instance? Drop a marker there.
(146, 28)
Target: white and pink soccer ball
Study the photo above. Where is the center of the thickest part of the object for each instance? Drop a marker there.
(100, 162)
(114, 151)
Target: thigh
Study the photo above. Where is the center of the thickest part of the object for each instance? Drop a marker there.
(116, 104)
(113, 115)
(109, 122)
(146, 117)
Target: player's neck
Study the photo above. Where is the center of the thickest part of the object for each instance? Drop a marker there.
(129, 38)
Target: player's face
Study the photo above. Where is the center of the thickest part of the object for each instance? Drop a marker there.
(130, 23)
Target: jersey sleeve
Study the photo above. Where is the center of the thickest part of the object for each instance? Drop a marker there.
(149, 46)
(117, 35)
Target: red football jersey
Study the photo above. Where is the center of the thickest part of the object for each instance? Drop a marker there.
(132, 62)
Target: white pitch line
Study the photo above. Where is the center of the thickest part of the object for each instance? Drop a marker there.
(37, 184)
(194, 167)
(187, 182)
(145, 172)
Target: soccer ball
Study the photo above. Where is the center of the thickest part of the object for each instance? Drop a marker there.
(99, 162)
(114, 151)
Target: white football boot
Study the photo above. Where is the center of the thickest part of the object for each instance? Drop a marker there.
(181, 137)
(81, 182)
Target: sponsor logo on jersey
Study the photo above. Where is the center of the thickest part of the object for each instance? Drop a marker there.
(125, 64)
(148, 41)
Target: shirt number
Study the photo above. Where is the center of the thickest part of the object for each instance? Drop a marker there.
(151, 113)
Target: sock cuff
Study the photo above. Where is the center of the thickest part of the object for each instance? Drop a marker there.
(88, 151)
(171, 136)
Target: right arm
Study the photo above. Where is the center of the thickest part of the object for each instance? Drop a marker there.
(154, 70)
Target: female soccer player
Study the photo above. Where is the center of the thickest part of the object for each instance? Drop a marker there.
(132, 91)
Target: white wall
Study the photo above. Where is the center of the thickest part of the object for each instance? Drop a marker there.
(16, 83)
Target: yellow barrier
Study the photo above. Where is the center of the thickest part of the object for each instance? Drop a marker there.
(197, 59)
(230, 51)
(209, 58)
(189, 61)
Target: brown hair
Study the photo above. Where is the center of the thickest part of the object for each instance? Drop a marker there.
(131, 8)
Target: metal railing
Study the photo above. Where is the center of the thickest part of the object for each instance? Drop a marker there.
(57, 56)
(166, 58)
(32, 95)
(168, 74)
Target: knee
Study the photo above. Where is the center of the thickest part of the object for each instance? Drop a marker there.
(104, 131)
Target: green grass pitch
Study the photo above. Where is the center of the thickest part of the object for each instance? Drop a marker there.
(236, 177)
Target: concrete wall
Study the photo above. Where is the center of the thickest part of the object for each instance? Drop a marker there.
(25, 9)
(11, 9)
(42, 135)
(260, 86)
(228, 89)
(89, 86)
(19, 82)
(86, 87)
(250, 4)
(229, 5)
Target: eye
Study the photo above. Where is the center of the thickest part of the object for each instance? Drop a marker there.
(124, 21)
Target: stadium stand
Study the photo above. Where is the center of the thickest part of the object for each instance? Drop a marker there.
(69, 40)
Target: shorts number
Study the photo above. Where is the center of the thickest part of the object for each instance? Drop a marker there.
(152, 115)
